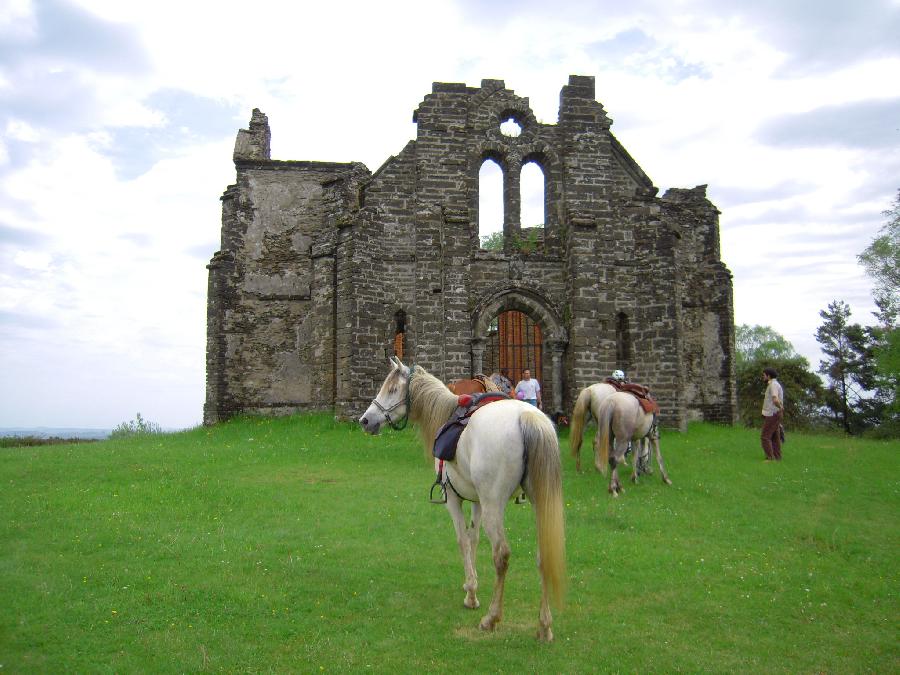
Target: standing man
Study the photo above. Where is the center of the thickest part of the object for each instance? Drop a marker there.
(773, 413)
(530, 389)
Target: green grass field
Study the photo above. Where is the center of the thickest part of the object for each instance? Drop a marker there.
(302, 545)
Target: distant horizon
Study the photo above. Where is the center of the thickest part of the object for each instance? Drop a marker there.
(66, 431)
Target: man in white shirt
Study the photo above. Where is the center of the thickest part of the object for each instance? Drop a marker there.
(529, 389)
(773, 413)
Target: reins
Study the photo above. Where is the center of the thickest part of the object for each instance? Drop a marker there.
(401, 424)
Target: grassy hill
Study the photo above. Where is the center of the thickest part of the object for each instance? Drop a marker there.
(302, 545)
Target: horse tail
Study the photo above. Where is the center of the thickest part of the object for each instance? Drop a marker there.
(544, 482)
(604, 424)
(579, 418)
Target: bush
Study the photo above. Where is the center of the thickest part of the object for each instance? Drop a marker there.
(136, 427)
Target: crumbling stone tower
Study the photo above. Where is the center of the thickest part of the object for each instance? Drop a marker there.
(326, 269)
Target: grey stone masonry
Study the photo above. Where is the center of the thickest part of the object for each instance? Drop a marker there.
(322, 264)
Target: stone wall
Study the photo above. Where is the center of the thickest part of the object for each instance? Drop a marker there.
(319, 259)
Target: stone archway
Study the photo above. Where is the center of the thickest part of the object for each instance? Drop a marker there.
(538, 309)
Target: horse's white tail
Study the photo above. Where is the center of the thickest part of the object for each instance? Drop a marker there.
(604, 424)
(544, 478)
(579, 419)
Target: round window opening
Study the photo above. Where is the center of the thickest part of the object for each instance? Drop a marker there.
(510, 128)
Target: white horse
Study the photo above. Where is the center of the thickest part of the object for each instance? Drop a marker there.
(588, 403)
(622, 415)
(505, 445)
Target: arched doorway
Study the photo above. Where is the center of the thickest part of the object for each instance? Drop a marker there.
(514, 342)
(533, 337)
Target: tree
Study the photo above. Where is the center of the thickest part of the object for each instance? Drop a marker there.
(881, 260)
(758, 343)
(849, 368)
(759, 347)
(492, 241)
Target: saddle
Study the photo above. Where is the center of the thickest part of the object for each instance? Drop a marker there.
(640, 392)
(447, 438)
(477, 385)
(448, 435)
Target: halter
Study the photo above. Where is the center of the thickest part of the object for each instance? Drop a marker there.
(399, 425)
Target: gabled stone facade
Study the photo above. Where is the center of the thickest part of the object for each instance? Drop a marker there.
(322, 263)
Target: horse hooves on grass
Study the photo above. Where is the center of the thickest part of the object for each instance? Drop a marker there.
(488, 623)
(472, 603)
(667, 481)
(545, 634)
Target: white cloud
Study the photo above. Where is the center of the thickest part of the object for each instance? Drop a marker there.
(33, 260)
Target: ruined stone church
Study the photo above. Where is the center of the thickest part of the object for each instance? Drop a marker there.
(326, 269)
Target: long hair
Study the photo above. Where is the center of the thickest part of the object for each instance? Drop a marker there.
(431, 405)
(579, 419)
(544, 481)
(604, 424)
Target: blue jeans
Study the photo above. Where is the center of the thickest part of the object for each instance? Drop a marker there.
(532, 401)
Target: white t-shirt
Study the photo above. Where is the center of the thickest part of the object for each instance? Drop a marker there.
(772, 391)
(531, 388)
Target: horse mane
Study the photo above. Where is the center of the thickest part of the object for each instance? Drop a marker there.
(431, 404)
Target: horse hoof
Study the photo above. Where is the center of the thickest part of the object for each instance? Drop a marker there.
(488, 624)
(667, 481)
(472, 603)
(545, 634)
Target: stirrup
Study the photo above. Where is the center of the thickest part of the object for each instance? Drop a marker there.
(443, 497)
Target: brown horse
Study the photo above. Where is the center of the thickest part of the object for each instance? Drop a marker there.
(477, 385)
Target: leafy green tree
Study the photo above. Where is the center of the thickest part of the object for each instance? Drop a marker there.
(758, 343)
(492, 241)
(849, 367)
(759, 347)
(881, 259)
(887, 379)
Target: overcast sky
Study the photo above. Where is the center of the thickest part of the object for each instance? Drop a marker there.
(118, 119)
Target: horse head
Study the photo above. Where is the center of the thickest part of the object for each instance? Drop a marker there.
(390, 405)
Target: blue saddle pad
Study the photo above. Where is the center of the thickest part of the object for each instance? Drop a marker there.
(447, 438)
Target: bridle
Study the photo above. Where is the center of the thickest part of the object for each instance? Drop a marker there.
(398, 425)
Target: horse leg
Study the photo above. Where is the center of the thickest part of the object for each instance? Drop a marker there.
(493, 527)
(474, 532)
(597, 441)
(647, 462)
(615, 487)
(636, 460)
(659, 460)
(468, 543)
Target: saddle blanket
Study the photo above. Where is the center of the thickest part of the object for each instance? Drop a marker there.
(448, 435)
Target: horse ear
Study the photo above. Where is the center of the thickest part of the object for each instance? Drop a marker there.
(397, 362)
